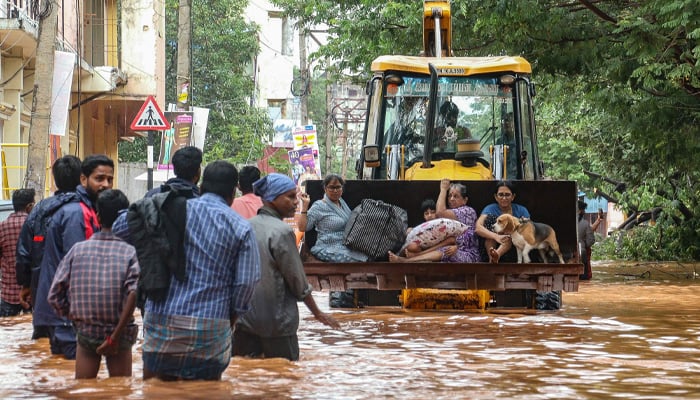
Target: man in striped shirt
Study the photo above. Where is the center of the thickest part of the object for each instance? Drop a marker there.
(188, 334)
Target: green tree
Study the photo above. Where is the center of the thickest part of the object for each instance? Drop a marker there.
(619, 85)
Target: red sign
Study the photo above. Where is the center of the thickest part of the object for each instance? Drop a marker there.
(150, 118)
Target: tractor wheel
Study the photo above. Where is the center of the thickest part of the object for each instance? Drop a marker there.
(548, 300)
(344, 299)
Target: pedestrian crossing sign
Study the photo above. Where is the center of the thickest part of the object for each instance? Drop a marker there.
(150, 118)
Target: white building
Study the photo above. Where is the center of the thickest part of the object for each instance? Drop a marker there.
(110, 58)
(273, 72)
(274, 66)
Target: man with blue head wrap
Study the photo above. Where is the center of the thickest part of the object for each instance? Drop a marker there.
(273, 185)
(269, 329)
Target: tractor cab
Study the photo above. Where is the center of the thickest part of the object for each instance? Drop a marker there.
(465, 123)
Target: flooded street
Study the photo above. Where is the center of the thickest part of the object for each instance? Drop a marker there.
(630, 333)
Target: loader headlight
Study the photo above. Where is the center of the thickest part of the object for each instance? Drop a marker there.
(371, 155)
(394, 79)
(506, 79)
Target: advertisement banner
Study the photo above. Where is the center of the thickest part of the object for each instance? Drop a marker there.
(283, 133)
(63, 66)
(303, 165)
(199, 130)
(306, 137)
(179, 135)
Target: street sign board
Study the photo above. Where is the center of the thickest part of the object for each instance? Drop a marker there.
(150, 118)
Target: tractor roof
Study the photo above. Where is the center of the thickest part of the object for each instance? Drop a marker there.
(456, 66)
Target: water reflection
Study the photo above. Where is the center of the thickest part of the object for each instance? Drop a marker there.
(614, 338)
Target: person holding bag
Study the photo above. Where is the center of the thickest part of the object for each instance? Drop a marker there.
(329, 217)
(466, 249)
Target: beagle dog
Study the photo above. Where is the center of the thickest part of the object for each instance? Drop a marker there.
(527, 235)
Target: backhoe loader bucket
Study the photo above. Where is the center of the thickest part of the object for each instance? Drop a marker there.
(550, 202)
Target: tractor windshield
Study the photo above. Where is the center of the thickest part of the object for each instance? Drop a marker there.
(467, 108)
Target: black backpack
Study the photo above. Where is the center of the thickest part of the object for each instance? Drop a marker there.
(157, 231)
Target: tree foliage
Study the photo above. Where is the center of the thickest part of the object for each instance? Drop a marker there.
(619, 85)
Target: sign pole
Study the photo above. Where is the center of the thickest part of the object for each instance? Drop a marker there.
(150, 118)
(151, 135)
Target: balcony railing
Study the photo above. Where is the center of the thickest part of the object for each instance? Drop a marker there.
(20, 9)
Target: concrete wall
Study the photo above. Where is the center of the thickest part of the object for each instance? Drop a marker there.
(134, 189)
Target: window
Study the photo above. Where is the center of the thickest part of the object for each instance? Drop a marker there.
(100, 32)
(277, 109)
(279, 21)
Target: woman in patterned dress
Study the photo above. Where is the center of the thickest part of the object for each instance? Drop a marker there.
(466, 248)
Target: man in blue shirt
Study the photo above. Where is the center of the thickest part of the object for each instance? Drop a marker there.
(188, 334)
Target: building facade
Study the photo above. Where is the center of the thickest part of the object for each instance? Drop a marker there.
(110, 58)
(273, 68)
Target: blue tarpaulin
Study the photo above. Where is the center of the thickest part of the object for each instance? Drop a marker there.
(592, 205)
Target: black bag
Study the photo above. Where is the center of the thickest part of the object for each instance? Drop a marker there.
(157, 230)
(375, 228)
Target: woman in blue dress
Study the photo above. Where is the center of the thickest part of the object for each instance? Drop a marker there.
(496, 244)
(329, 217)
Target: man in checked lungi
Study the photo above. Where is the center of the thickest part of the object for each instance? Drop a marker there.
(188, 335)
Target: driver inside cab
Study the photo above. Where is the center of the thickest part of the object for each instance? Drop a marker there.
(447, 132)
(508, 138)
(407, 126)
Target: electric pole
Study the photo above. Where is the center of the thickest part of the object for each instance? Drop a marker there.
(344, 144)
(347, 111)
(184, 45)
(304, 75)
(329, 146)
(35, 177)
(182, 74)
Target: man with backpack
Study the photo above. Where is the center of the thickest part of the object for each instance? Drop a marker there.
(73, 222)
(155, 226)
(187, 164)
(30, 247)
(187, 332)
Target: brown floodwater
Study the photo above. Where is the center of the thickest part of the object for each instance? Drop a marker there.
(632, 332)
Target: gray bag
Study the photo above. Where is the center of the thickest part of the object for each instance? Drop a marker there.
(375, 228)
